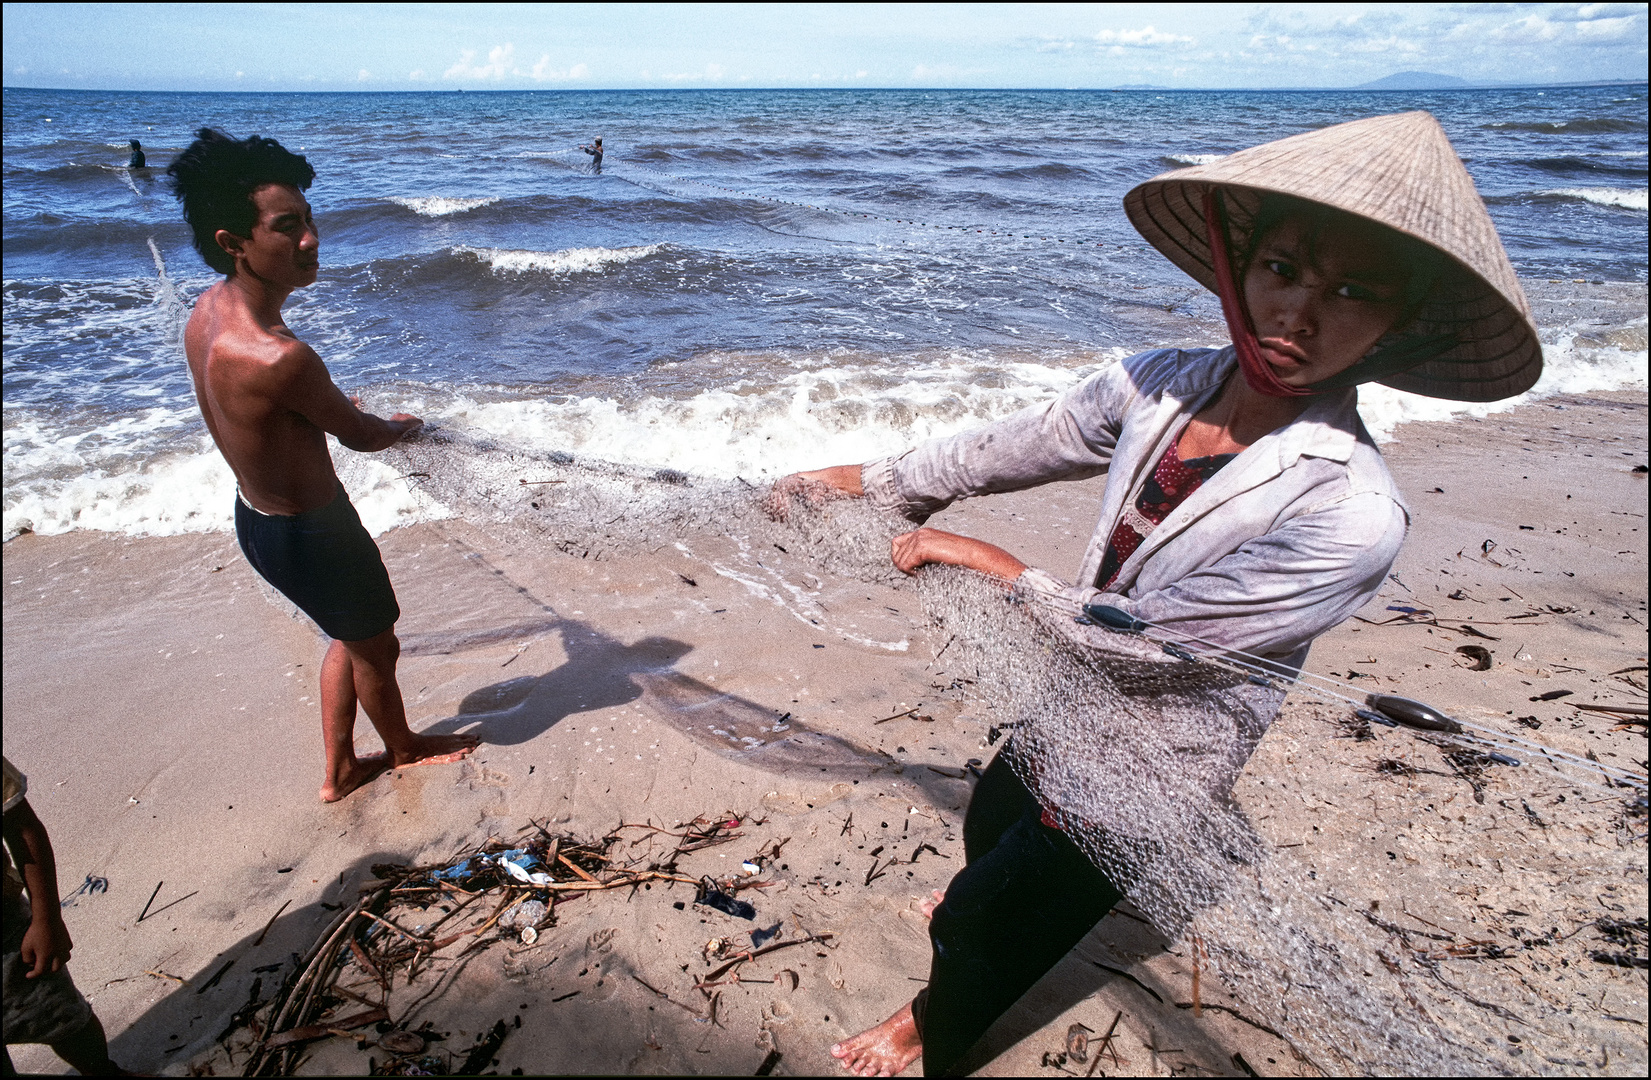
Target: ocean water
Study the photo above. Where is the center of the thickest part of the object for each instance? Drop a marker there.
(756, 282)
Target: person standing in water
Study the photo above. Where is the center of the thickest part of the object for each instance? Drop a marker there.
(137, 160)
(595, 152)
(270, 403)
(1246, 506)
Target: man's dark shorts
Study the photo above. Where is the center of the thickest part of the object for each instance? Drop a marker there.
(325, 562)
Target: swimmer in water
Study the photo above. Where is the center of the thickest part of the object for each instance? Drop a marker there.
(270, 403)
(137, 160)
(596, 154)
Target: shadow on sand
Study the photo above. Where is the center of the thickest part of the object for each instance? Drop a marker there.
(195, 1015)
(602, 672)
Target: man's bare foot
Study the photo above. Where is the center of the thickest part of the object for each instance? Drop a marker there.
(362, 772)
(432, 750)
(927, 906)
(884, 1050)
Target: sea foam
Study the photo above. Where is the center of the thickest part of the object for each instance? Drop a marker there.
(804, 420)
(1573, 363)
(438, 206)
(157, 473)
(570, 260)
(1626, 198)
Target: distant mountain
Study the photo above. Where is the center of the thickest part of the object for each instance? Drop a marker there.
(1415, 80)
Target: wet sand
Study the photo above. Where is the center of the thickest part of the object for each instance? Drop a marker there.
(164, 712)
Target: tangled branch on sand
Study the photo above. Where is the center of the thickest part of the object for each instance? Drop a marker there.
(358, 979)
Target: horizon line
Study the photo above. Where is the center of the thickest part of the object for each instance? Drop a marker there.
(1122, 89)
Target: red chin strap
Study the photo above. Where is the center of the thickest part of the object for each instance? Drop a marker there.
(1257, 372)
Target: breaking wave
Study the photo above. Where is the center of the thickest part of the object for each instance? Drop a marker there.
(439, 206)
(1182, 160)
(568, 261)
(1626, 198)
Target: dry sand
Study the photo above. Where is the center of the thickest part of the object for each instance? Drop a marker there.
(165, 713)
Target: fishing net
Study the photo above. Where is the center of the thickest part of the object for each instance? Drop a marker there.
(1137, 753)
(1501, 884)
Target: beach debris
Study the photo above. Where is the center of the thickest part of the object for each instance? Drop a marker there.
(1553, 695)
(1077, 1042)
(1412, 713)
(216, 978)
(259, 940)
(402, 1042)
(1478, 657)
(486, 1046)
(713, 897)
(412, 929)
(151, 914)
(144, 914)
(526, 917)
(1610, 710)
(90, 887)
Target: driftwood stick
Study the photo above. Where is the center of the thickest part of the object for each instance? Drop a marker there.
(409, 935)
(754, 953)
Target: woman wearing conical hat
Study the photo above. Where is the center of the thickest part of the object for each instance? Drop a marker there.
(1245, 503)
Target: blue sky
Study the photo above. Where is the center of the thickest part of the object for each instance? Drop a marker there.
(516, 46)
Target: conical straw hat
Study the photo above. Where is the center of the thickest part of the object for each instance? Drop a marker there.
(1402, 172)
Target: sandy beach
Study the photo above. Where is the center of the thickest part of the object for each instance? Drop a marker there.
(164, 711)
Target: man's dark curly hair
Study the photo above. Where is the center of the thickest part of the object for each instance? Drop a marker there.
(215, 178)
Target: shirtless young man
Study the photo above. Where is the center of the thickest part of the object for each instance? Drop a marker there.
(270, 403)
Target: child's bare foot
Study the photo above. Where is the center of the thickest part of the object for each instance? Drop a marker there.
(884, 1050)
(362, 771)
(432, 750)
(927, 906)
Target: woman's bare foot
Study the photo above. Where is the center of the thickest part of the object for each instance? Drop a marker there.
(363, 770)
(432, 750)
(927, 906)
(884, 1050)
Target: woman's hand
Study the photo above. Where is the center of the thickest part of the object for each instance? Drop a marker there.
(815, 487)
(923, 546)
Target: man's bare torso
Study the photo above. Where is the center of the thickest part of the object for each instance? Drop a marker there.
(243, 370)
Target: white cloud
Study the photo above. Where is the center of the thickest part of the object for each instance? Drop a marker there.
(1618, 29)
(1609, 11)
(543, 72)
(416, 74)
(363, 75)
(498, 65)
(1531, 30)
(1391, 43)
(1147, 37)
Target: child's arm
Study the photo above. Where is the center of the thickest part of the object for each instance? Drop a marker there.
(46, 944)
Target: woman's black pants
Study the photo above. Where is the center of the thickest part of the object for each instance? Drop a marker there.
(1026, 896)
